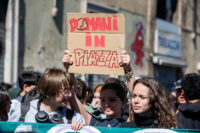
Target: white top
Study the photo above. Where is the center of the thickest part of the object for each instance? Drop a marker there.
(15, 111)
(30, 116)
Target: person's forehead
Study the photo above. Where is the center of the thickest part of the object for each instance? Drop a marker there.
(108, 93)
(141, 89)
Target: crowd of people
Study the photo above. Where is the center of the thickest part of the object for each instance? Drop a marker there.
(58, 97)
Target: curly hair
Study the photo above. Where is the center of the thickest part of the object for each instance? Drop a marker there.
(191, 85)
(161, 105)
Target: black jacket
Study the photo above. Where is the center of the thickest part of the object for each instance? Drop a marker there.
(106, 122)
(189, 116)
(141, 122)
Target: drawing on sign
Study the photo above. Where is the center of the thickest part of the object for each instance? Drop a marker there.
(94, 40)
(96, 23)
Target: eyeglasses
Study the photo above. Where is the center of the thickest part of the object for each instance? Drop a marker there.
(65, 91)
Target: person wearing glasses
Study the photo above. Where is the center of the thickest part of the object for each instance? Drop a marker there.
(151, 106)
(55, 90)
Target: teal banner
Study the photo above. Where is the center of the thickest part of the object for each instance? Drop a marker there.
(6, 127)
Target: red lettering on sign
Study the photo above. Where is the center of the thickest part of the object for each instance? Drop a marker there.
(88, 22)
(106, 26)
(99, 24)
(88, 40)
(101, 58)
(99, 42)
(91, 58)
(115, 26)
(73, 24)
(114, 60)
(96, 23)
(93, 23)
(79, 57)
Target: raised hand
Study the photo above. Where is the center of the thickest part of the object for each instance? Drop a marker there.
(67, 60)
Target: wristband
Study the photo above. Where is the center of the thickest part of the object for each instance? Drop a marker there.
(129, 74)
(127, 69)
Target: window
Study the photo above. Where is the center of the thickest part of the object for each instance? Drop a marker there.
(167, 75)
(92, 8)
(166, 9)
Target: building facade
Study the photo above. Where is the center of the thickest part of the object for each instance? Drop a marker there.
(162, 37)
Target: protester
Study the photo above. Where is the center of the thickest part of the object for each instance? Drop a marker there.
(113, 97)
(31, 95)
(179, 96)
(125, 107)
(94, 108)
(85, 95)
(23, 106)
(27, 81)
(116, 80)
(5, 86)
(55, 90)
(5, 104)
(83, 92)
(13, 92)
(189, 113)
(96, 101)
(151, 106)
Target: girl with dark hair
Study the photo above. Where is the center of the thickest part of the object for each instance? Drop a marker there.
(151, 106)
(113, 97)
(5, 104)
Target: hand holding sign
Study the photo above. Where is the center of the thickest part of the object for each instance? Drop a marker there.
(125, 59)
(93, 40)
(76, 126)
(67, 60)
(124, 62)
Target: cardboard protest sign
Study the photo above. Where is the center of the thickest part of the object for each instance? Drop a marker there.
(95, 41)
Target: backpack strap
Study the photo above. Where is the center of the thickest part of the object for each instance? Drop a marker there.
(69, 115)
(24, 109)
